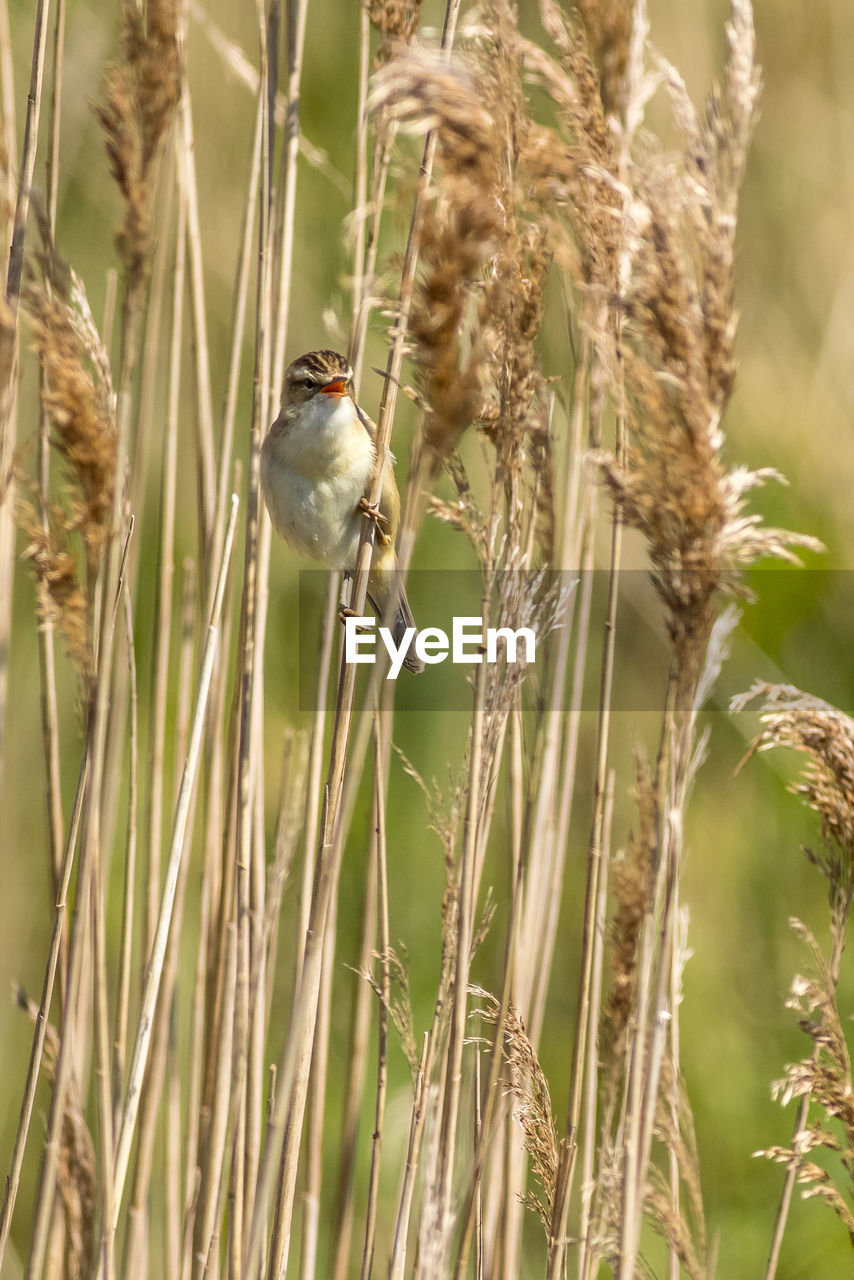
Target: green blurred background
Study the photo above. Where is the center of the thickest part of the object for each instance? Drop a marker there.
(745, 875)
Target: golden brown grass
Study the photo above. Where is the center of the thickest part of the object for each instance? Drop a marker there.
(540, 197)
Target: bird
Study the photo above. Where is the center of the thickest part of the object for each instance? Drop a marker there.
(317, 462)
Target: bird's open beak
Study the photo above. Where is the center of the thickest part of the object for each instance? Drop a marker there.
(337, 388)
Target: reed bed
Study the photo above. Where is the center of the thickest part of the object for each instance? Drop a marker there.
(240, 1064)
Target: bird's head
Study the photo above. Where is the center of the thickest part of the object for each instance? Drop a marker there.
(326, 373)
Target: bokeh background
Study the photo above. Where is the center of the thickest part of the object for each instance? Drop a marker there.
(793, 410)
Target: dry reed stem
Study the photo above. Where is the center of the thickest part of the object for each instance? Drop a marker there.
(77, 1180)
(598, 242)
(257, 1066)
(152, 1090)
(247, 770)
(420, 1114)
(240, 294)
(14, 272)
(569, 1145)
(204, 439)
(63, 1075)
(150, 382)
(213, 1180)
(312, 1164)
(85, 424)
(52, 161)
(47, 664)
(106, 1087)
(163, 599)
(281, 242)
(594, 1051)
(123, 975)
(311, 814)
(343, 1214)
(7, 89)
(103, 1061)
(37, 1050)
(289, 1099)
(361, 278)
(382, 723)
(297, 18)
(174, 1190)
(143, 1037)
(476, 1138)
(219, 954)
(192, 1156)
(462, 962)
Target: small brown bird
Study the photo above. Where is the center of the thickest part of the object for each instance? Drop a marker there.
(316, 464)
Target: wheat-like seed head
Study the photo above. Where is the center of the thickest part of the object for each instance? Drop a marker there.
(139, 99)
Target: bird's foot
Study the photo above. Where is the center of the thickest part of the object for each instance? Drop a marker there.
(345, 612)
(372, 511)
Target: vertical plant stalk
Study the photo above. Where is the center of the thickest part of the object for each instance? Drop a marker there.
(213, 1179)
(240, 294)
(465, 926)
(25, 178)
(653, 1012)
(569, 1145)
(213, 1017)
(14, 1175)
(465, 923)
(165, 574)
(138, 1228)
(280, 243)
(64, 1064)
(129, 895)
(344, 1208)
(297, 14)
(47, 653)
(381, 759)
(213, 1025)
(577, 551)
(105, 1086)
(364, 260)
(187, 172)
(9, 341)
(73, 1026)
(103, 1057)
(478, 1208)
(592, 1065)
(361, 277)
(149, 1000)
(313, 1163)
(421, 1087)
(247, 772)
(290, 1099)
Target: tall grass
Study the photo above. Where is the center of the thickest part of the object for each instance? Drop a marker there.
(214, 1102)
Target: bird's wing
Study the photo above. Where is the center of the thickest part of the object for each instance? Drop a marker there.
(368, 423)
(389, 498)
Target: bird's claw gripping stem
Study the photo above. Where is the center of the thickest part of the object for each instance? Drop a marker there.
(372, 511)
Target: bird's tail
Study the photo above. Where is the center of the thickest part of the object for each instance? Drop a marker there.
(378, 594)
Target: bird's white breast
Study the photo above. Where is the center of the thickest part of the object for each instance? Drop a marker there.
(314, 472)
